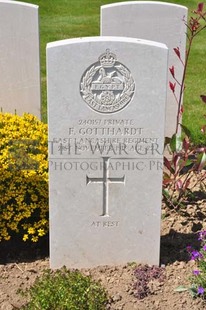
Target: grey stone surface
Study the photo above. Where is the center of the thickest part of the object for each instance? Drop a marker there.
(157, 21)
(19, 58)
(106, 103)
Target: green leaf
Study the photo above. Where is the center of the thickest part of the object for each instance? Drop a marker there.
(180, 289)
(192, 291)
(166, 193)
(188, 162)
(184, 164)
(166, 176)
(186, 130)
(176, 143)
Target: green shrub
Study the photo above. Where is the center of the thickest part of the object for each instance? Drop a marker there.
(64, 289)
(23, 177)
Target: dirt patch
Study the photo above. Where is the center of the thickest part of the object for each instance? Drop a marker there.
(21, 263)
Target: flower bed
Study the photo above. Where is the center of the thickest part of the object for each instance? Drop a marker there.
(24, 177)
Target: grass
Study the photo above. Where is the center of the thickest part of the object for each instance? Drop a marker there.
(64, 19)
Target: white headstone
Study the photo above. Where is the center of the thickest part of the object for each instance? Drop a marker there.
(106, 103)
(157, 21)
(19, 58)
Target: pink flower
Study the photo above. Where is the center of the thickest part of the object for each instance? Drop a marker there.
(172, 71)
(194, 24)
(200, 7)
(172, 86)
(177, 51)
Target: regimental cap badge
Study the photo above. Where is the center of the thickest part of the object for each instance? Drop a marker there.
(107, 86)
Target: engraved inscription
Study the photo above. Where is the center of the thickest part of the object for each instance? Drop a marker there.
(107, 86)
(106, 180)
(106, 137)
(105, 224)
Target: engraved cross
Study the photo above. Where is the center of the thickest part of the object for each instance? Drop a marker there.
(106, 180)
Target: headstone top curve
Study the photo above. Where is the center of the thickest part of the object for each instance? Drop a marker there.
(104, 39)
(20, 58)
(155, 3)
(34, 6)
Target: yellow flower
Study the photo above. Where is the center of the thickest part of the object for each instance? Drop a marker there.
(7, 238)
(41, 232)
(25, 237)
(31, 231)
(34, 238)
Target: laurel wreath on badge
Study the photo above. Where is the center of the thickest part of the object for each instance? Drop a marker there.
(87, 79)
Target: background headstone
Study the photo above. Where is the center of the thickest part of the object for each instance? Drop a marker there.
(157, 21)
(19, 58)
(106, 103)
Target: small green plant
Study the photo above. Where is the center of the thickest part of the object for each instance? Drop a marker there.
(66, 290)
(184, 172)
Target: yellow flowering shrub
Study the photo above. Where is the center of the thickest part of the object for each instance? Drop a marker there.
(23, 177)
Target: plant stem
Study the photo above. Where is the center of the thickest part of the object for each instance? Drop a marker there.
(183, 83)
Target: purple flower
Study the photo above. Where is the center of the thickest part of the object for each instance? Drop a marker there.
(200, 290)
(204, 247)
(196, 272)
(202, 235)
(195, 255)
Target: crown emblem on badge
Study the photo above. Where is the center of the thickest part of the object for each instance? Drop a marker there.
(107, 59)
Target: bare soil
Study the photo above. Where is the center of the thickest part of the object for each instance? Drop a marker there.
(21, 263)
